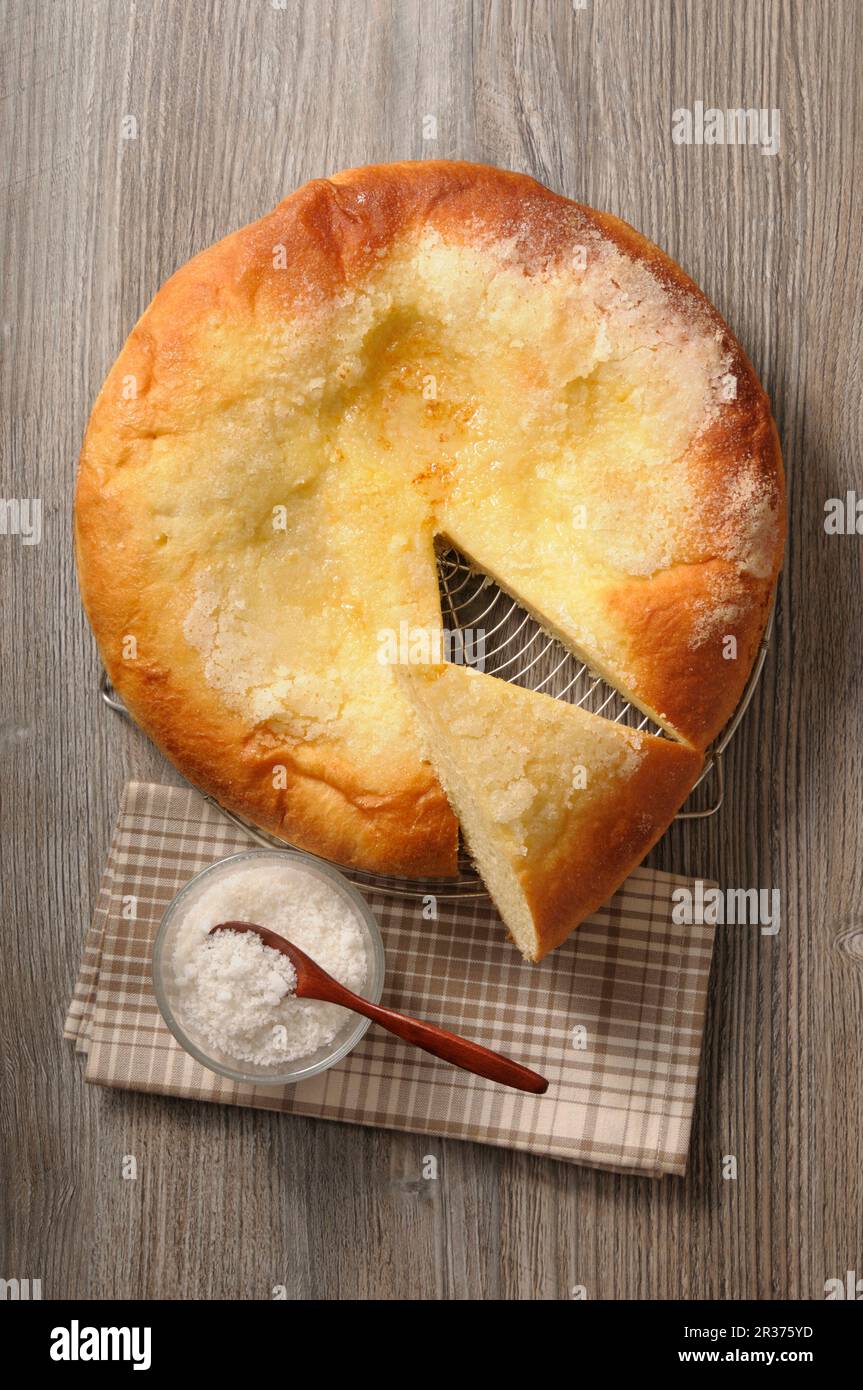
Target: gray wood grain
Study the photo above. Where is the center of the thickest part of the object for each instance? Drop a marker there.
(238, 101)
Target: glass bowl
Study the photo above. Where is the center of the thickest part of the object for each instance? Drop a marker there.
(288, 1073)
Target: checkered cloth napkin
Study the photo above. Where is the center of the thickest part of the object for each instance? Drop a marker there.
(614, 1018)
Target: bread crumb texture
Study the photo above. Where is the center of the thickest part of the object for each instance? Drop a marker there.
(557, 805)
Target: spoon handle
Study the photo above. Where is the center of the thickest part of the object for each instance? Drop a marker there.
(314, 983)
(461, 1052)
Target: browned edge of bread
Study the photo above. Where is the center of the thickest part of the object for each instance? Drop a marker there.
(336, 229)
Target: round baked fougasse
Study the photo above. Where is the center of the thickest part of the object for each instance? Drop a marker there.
(396, 353)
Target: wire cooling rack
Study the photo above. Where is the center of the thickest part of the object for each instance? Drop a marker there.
(484, 622)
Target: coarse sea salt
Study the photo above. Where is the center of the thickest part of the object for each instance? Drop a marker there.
(233, 994)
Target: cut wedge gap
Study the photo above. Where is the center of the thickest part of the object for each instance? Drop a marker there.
(522, 648)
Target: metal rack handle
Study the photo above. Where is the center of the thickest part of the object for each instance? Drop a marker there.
(714, 767)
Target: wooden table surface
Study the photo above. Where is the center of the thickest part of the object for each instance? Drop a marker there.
(237, 102)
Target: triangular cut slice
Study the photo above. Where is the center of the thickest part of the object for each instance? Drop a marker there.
(556, 805)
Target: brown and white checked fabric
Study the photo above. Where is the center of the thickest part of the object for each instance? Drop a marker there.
(631, 979)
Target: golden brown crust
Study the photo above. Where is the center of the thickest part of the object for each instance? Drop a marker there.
(687, 670)
(335, 230)
(583, 870)
(307, 796)
(690, 682)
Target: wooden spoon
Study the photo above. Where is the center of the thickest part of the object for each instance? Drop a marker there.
(315, 983)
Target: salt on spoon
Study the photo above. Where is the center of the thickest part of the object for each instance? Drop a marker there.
(315, 983)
